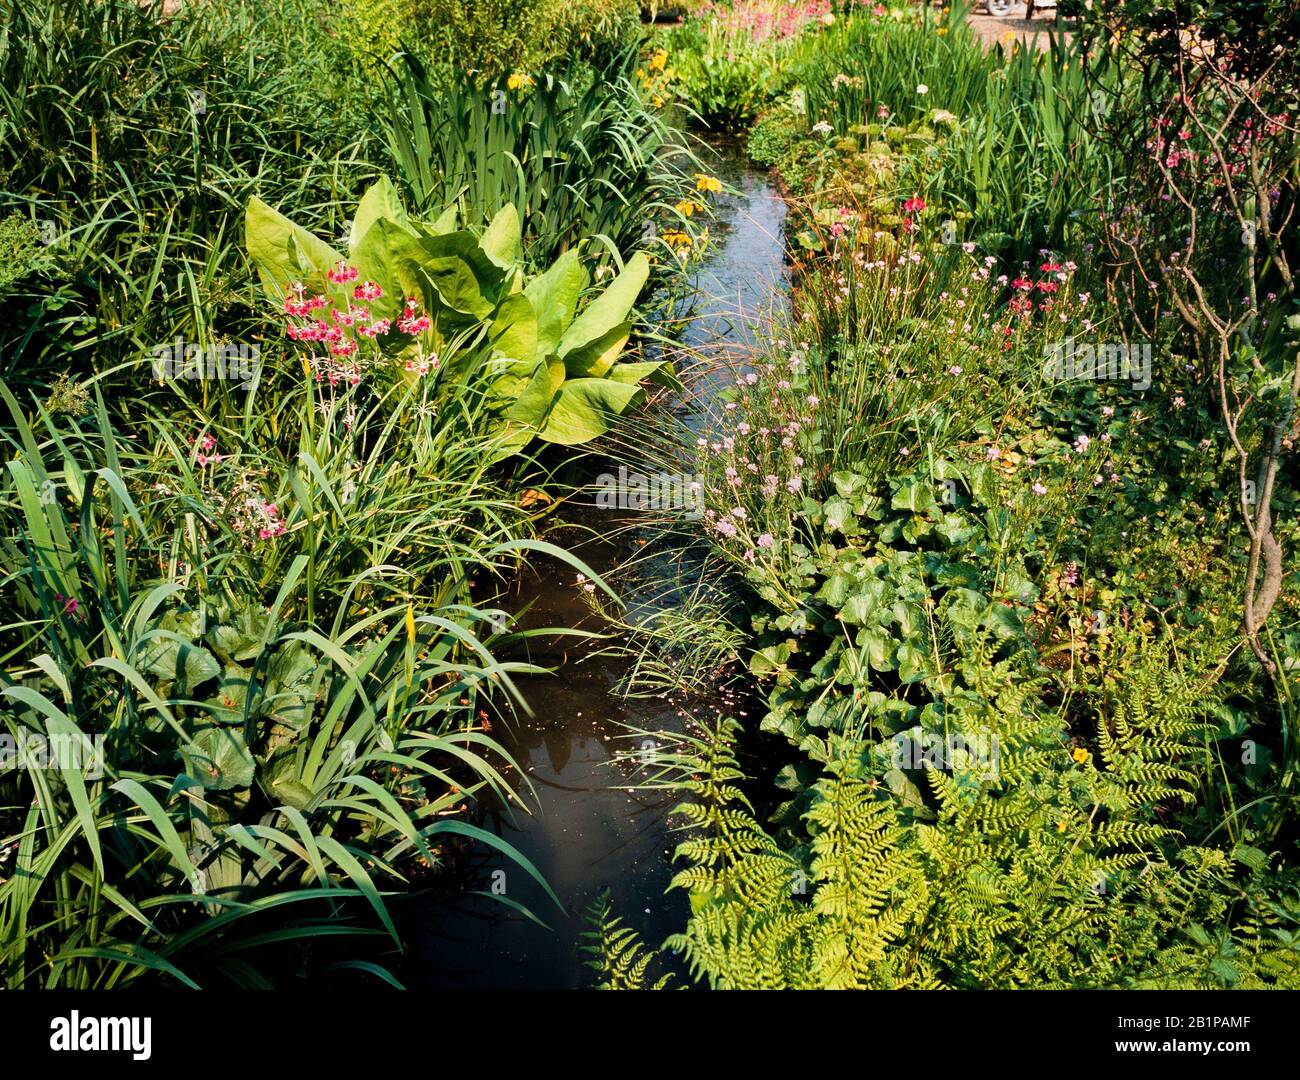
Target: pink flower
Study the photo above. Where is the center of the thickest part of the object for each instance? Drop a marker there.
(343, 273)
(367, 291)
(1038, 489)
(411, 323)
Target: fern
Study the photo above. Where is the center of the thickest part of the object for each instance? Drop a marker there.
(1024, 881)
(767, 918)
(616, 953)
(1152, 737)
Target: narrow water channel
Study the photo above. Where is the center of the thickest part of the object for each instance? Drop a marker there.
(592, 828)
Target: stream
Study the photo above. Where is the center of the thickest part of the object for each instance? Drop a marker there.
(591, 828)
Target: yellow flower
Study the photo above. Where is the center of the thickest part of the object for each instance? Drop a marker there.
(410, 624)
(687, 207)
(1062, 825)
(519, 79)
(658, 59)
(704, 182)
(657, 101)
(1080, 755)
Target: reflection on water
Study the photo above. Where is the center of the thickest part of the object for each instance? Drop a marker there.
(590, 828)
(744, 280)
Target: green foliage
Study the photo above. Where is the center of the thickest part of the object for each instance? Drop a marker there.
(765, 918)
(1005, 682)
(1152, 733)
(22, 250)
(279, 727)
(578, 154)
(1003, 145)
(771, 137)
(545, 368)
(134, 138)
(497, 36)
(1025, 881)
(722, 72)
(615, 952)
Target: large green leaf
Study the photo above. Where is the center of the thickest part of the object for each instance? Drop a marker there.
(514, 330)
(657, 371)
(241, 637)
(554, 295)
(284, 252)
(501, 239)
(380, 202)
(534, 400)
(289, 689)
(179, 661)
(608, 309)
(595, 358)
(219, 759)
(226, 705)
(391, 256)
(586, 408)
(465, 280)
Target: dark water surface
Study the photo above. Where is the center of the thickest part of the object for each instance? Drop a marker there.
(591, 829)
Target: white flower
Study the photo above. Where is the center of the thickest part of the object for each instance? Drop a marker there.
(822, 127)
(922, 89)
